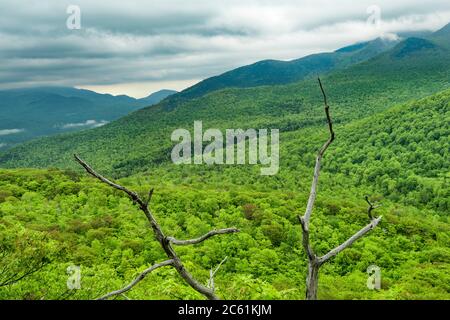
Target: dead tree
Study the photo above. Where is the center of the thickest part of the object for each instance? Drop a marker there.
(314, 261)
(165, 242)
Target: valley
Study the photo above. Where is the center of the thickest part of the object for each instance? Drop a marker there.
(391, 112)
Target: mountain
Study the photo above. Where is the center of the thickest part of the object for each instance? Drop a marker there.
(273, 72)
(396, 157)
(414, 68)
(443, 32)
(28, 113)
(157, 96)
(390, 116)
(413, 45)
(442, 36)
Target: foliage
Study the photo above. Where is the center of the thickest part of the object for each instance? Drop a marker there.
(392, 143)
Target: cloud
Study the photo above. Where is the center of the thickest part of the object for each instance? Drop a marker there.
(2, 145)
(169, 41)
(87, 124)
(6, 132)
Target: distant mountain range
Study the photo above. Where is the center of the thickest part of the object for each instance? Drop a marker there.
(274, 72)
(360, 85)
(28, 113)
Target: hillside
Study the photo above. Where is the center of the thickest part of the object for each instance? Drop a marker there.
(386, 155)
(274, 72)
(32, 112)
(401, 154)
(142, 139)
(390, 114)
(157, 96)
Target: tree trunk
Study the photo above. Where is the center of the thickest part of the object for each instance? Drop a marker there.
(312, 281)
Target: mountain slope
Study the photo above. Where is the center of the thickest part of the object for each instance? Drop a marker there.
(272, 72)
(142, 139)
(157, 96)
(32, 112)
(375, 156)
(442, 36)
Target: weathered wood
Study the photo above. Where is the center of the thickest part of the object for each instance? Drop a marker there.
(361, 233)
(314, 262)
(164, 241)
(312, 280)
(139, 278)
(202, 238)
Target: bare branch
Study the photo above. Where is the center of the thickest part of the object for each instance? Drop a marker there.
(327, 112)
(149, 198)
(91, 171)
(211, 284)
(350, 240)
(159, 234)
(133, 195)
(371, 207)
(315, 262)
(202, 238)
(139, 278)
(305, 240)
(313, 192)
(213, 273)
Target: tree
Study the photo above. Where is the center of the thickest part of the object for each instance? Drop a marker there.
(314, 261)
(166, 242)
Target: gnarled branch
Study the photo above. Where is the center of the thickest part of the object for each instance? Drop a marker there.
(92, 172)
(213, 273)
(350, 240)
(139, 278)
(314, 262)
(159, 234)
(202, 238)
(149, 198)
(305, 240)
(371, 207)
(313, 192)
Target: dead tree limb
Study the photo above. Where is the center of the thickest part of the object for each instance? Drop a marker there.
(371, 207)
(212, 274)
(202, 238)
(314, 261)
(361, 233)
(140, 277)
(165, 242)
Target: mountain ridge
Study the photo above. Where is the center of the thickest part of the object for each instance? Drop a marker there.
(273, 72)
(357, 91)
(47, 110)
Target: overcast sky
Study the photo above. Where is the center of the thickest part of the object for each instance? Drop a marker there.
(137, 47)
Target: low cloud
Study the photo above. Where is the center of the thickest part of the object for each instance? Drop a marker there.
(170, 41)
(7, 132)
(2, 145)
(87, 124)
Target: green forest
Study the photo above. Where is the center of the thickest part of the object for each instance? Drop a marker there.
(391, 117)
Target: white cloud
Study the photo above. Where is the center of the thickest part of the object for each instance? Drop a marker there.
(6, 132)
(87, 123)
(3, 145)
(166, 42)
